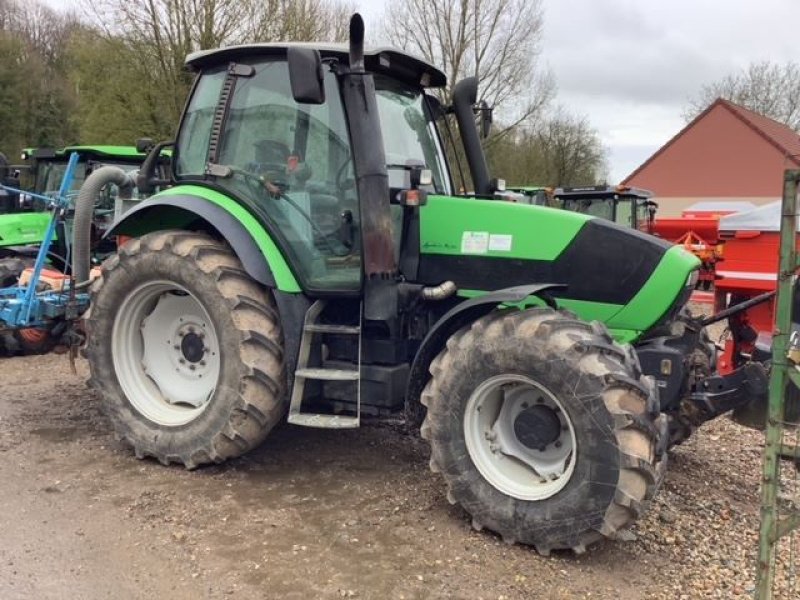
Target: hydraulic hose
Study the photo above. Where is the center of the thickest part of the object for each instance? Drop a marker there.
(84, 214)
(439, 292)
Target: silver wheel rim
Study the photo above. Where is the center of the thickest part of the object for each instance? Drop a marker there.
(165, 352)
(508, 464)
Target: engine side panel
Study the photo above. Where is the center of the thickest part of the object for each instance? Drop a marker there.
(623, 277)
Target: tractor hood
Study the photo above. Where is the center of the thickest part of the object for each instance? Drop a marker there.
(629, 280)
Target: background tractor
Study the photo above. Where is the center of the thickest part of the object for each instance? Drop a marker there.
(312, 259)
(25, 218)
(624, 205)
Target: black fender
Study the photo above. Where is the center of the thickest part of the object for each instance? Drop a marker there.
(184, 210)
(453, 320)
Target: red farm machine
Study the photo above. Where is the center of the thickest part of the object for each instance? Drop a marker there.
(697, 230)
(748, 275)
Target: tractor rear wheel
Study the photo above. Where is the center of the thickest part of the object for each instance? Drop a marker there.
(185, 349)
(544, 429)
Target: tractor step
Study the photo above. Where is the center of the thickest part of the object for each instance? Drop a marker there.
(324, 421)
(304, 373)
(327, 328)
(328, 374)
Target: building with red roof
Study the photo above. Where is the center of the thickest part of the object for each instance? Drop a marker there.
(727, 153)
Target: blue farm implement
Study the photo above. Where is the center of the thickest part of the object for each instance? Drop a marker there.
(32, 304)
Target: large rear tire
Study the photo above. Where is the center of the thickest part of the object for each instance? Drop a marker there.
(544, 429)
(185, 349)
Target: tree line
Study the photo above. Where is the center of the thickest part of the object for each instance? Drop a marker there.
(113, 70)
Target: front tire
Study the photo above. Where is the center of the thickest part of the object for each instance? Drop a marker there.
(544, 430)
(185, 350)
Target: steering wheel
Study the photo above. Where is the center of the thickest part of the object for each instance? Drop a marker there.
(275, 191)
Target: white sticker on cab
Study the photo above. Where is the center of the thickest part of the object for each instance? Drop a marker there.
(475, 242)
(500, 242)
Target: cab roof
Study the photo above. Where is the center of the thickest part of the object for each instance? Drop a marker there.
(602, 191)
(123, 153)
(391, 61)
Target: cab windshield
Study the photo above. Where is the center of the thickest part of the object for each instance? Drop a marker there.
(51, 174)
(596, 207)
(293, 162)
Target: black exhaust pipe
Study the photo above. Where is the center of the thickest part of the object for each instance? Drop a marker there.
(465, 95)
(372, 182)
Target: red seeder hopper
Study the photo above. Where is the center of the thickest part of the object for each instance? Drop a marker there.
(697, 231)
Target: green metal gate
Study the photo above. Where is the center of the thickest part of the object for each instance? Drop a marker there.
(779, 544)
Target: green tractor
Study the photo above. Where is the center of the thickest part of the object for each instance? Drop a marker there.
(628, 206)
(312, 262)
(24, 220)
(23, 223)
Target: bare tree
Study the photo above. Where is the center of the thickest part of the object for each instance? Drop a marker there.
(42, 30)
(495, 40)
(767, 88)
(307, 20)
(573, 154)
(159, 34)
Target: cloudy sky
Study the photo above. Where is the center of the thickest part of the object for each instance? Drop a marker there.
(631, 65)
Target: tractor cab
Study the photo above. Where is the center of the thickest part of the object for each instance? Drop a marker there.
(292, 164)
(533, 194)
(627, 206)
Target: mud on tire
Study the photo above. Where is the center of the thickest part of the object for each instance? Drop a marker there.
(620, 457)
(249, 396)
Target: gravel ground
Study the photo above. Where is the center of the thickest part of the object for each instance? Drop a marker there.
(326, 514)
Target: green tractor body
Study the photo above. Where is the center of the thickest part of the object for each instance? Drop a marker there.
(312, 257)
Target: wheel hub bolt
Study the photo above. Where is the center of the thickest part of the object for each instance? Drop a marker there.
(176, 347)
(182, 361)
(558, 444)
(192, 367)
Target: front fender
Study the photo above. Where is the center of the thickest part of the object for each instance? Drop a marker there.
(453, 320)
(252, 244)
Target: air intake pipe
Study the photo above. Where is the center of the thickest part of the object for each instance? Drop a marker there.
(84, 213)
(465, 95)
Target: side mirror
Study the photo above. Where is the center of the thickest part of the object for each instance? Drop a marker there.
(306, 75)
(486, 118)
(144, 145)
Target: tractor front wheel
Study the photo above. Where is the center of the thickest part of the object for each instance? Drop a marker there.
(543, 428)
(185, 349)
